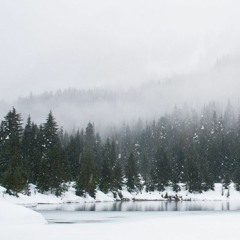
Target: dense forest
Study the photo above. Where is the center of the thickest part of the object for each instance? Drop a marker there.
(194, 148)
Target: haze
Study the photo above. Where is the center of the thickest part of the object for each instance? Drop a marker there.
(47, 45)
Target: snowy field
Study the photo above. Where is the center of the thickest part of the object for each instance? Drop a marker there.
(18, 222)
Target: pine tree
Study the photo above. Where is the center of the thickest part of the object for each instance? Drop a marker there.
(43, 182)
(107, 167)
(86, 182)
(214, 150)
(30, 151)
(194, 182)
(54, 166)
(74, 151)
(236, 178)
(162, 168)
(150, 182)
(92, 146)
(131, 174)
(88, 174)
(3, 162)
(13, 175)
(117, 181)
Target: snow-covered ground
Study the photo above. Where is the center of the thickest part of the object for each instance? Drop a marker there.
(219, 194)
(18, 222)
(11, 214)
(23, 223)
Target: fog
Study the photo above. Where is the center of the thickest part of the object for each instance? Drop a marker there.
(74, 108)
(191, 47)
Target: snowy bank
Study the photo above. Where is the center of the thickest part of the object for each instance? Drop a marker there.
(218, 194)
(18, 221)
(13, 214)
(140, 226)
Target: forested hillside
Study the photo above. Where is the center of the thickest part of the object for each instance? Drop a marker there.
(198, 149)
(74, 108)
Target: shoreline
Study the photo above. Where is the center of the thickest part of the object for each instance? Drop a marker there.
(168, 195)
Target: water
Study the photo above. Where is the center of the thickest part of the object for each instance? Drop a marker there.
(143, 206)
(103, 212)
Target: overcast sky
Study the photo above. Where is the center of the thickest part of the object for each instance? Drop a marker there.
(56, 44)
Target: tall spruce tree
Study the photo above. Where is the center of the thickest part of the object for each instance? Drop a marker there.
(162, 169)
(88, 174)
(74, 151)
(30, 151)
(13, 174)
(117, 181)
(132, 175)
(106, 179)
(194, 182)
(87, 182)
(54, 166)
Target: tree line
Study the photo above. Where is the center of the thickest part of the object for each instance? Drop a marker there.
(197, 149)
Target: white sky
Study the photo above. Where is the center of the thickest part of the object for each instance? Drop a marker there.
(53, 44)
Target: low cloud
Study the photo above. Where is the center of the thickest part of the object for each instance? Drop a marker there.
(57, 44)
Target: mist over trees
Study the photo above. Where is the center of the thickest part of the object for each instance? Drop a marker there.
(106, 107)
(197, 149)
(138, 138)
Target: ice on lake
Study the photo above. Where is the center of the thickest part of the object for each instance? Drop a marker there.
(118, 225)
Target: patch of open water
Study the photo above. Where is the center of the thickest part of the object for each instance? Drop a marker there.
(107, 212)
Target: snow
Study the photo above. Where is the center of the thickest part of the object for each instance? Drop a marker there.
(20, 222)
(13, 214)
(218, 194)
(133, 225)
(101, 197)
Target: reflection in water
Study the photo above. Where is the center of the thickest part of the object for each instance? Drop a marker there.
(143, 206)
(111, 212)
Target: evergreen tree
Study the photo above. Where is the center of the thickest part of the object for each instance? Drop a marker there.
(131, 174)
(30, 151)
(44, 183)
(53, 165)
(88, 174)
(74, 151)
(150, 182)
(117, 179)
(236, 178)
(86, 182)
(92, 146)
(194, 182)
(13, 175)
(106, 181)
(162, 173)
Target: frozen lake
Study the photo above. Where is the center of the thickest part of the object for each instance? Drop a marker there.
(118, 211)
(75, 221)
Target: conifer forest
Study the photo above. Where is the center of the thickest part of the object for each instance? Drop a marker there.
(198, 149)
